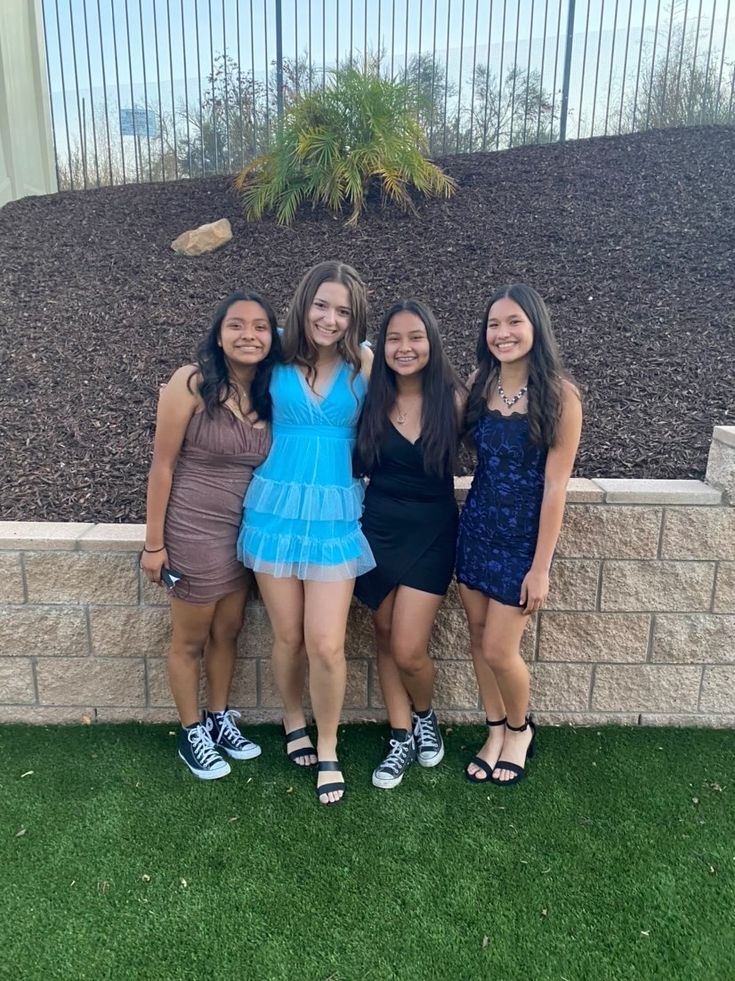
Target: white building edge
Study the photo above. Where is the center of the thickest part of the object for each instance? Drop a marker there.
(26, 141)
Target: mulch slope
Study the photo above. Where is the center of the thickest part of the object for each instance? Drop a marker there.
(630, 240)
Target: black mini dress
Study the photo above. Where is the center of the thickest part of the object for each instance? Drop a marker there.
(410, 520)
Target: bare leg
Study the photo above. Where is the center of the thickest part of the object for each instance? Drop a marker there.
(413, 617)
(219, 656)
(326, 606)
(284, 601)
(476, 607)
(190, 630)
(501, 647)
(395, 696)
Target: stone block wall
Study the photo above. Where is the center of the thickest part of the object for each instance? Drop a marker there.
(639, 627)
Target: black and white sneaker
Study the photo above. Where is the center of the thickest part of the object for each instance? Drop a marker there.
(429, 743)
(197, 750)
(391, 771)
(225, 735)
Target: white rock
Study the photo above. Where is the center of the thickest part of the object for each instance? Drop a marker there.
(206, 238)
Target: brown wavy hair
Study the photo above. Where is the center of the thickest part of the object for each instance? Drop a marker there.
(298, 348)
(546, 374)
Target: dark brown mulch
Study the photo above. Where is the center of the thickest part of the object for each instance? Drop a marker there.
(629, 238)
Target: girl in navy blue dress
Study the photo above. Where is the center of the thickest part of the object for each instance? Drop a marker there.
(407, 444)
(525, 419)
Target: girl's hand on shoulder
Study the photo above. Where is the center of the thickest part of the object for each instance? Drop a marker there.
(151, 563)
(460, 404)
(471, 380)
(534, 590)
(367, 357)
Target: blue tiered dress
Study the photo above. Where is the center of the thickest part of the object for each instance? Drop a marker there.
(498, 527)
(302, 510)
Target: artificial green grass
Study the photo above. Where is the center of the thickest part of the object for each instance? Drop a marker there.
(615, 859)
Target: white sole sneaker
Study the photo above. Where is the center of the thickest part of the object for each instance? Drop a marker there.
(433, 760)
(386, 783)
(241, 754)
(221, 771)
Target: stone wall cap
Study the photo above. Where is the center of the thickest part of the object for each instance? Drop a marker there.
(580, 490)
(724, 434)
(622, 491)
(38, 535)
(113, 538)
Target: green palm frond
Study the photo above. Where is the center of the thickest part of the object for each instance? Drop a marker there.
(333, 142)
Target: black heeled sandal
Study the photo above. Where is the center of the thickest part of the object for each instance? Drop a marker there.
(519, 771)
(481, 764)
(328, 788)
(299, 754)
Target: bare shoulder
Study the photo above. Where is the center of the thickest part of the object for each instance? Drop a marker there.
(185, 379)
(570, 422)
(570, 390)
(571, 399)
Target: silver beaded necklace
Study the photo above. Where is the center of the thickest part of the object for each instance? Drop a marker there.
(510, 402)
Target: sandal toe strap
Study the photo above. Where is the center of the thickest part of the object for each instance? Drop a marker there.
(328, 788)
(481, 765)
(513, 767)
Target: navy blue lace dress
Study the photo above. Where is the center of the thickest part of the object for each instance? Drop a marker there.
(498, 526)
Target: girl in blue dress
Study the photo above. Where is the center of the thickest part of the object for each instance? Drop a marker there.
(301, 533)
(525, 418)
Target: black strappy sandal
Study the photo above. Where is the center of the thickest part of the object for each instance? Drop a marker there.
(328, 788)
(299, 754)
(519, 771)
(481, 764)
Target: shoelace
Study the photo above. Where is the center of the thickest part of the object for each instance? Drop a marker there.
(425, 733)
(229, 730)
(203, 747)
(396, 758)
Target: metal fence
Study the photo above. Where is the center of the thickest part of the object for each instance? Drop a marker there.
(148, 90)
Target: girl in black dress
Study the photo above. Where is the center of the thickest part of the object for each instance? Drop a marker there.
(407, 444)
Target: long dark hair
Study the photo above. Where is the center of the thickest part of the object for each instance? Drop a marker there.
(215, 384)
(440, 384)
(297, 345)
(546, 374)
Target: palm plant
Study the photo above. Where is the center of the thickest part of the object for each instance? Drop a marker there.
(334, 142)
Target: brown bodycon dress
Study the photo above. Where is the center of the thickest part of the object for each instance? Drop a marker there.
(204, 512)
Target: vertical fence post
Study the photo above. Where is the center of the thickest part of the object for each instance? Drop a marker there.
(564, 110)
(279, 59)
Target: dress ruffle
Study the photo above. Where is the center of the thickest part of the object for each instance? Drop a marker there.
(306, 555)
(292, 500)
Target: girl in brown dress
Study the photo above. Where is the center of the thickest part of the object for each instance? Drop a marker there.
(212, 429)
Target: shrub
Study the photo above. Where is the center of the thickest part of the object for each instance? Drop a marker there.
(334, 142)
